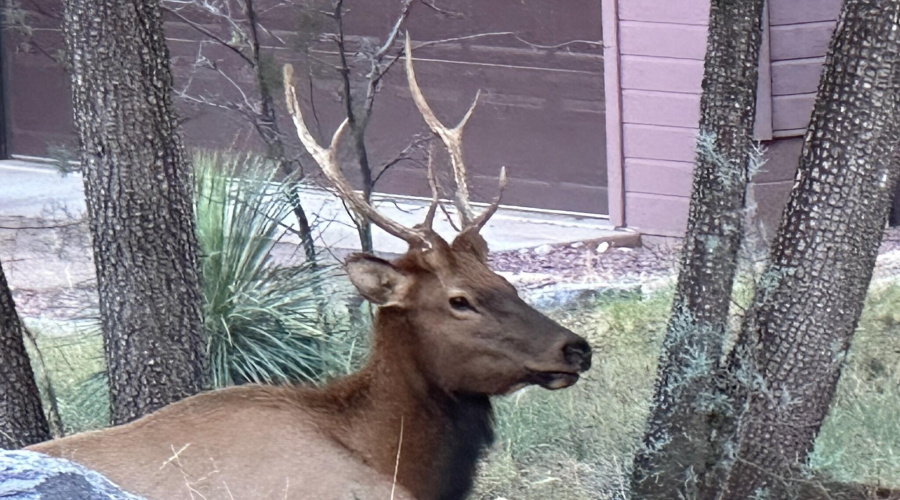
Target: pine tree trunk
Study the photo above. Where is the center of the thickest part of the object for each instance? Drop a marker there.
(22, 420)
(788, 358)
(138, 190)
(675, 444)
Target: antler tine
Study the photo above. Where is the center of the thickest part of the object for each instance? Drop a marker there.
(435, 195)
(482, 219)
(451, 137)
(327, 161)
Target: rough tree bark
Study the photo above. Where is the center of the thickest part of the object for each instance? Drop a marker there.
(22, 420)
(675, 444)
(138, 189)
(786, 364)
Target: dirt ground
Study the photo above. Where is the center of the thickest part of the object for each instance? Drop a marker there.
(49, 265)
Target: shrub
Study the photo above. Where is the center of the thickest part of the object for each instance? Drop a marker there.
(267, 322)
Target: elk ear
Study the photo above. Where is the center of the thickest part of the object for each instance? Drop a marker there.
(472, 242)
(377, 279)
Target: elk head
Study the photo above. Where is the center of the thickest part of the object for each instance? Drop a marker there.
(471, 331)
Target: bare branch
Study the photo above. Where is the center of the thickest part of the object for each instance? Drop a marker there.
(594, 43)
(404, 155)
(449, 13)
(247, 102)
(345, 67)
(211, 35)
(378, 68)
(270, 32)
(392, 35)
(328, 162)
(208, 102)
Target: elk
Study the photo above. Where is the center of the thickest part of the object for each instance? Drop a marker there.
(449, 333)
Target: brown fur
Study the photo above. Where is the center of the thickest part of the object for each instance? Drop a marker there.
(431, 372)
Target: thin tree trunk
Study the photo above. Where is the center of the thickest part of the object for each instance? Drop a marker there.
(267, 127)
(789, 355)
(22, 420)
(138, 190)
(363, 226)
(357, 120)
(676, 446)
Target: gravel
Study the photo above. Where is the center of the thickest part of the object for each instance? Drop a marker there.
(51, 273)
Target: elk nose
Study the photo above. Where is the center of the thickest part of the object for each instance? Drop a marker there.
(578, 353)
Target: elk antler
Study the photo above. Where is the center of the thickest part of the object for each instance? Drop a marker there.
(327, 160)
(452, 138)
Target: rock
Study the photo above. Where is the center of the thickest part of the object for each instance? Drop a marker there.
(572, 296)
(26, 475)
(603, 247)
(544, 250)
(577, 244)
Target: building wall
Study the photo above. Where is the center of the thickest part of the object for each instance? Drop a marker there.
(798, 36)
(661, 47)
(541, 111)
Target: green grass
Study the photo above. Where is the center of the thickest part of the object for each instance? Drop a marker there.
(72, 360)
(860, 439)
(578, 443)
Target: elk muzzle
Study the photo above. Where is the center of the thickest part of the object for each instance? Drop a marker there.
(576, 353)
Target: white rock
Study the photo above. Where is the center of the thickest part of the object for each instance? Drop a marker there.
(603, 247)
(544, 250)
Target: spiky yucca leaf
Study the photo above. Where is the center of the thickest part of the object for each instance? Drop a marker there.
(267, 322)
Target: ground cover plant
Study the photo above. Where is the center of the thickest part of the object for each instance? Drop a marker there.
(578, 443)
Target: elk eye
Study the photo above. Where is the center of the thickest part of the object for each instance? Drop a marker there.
(461, 304)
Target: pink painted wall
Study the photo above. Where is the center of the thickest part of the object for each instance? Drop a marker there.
(659, 49)
(799, 33)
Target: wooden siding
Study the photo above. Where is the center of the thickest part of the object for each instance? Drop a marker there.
(799, 34)
(662, 46)
(783, 12)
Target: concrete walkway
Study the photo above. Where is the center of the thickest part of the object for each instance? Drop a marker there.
(36, 190)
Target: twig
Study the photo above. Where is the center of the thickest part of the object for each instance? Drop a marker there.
(377, 72)
(52, 226)
(397, 462)
(175, 456)
(211, 35)
(239, 89)
(559, 45)
(405, 154)
(449, 13)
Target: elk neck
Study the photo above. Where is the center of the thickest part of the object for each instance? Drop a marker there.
(443, 434)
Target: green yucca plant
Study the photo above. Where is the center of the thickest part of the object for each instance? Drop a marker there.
(266, 322)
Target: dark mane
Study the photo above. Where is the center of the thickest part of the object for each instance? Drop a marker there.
(471, 432)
